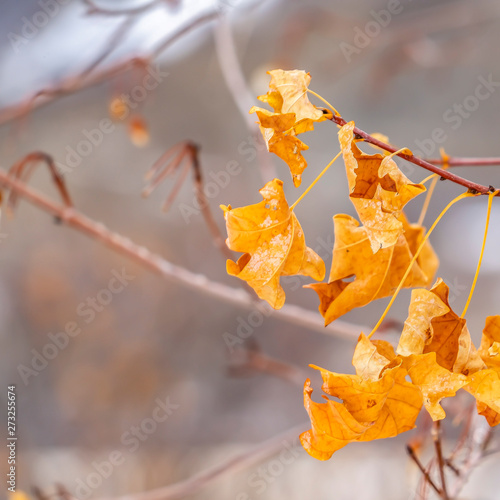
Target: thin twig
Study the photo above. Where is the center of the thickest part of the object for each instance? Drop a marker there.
(297, 316)
(185, 153)
(247, 361)
(465, 162)
(428, 478)
(84, 80)
(479, 436)
(445, 174)
(239, 462)
(436, 436)
(132, 11)
(24, 168)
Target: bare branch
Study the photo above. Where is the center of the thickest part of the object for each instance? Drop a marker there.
(68, 215)
(84, 80)
(239, 462)
(445, 174)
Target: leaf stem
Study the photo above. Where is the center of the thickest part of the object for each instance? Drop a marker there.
(445, 174)
(325, 101)
(315, 181)
(415, 257)
(474, 281)
(430, 192)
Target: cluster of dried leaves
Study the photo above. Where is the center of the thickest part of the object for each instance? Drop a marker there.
(435, 356)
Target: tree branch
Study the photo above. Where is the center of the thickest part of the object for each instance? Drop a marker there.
(70, 216)
(445, 174)
(241, 461)
(85, 79)
(465, 162)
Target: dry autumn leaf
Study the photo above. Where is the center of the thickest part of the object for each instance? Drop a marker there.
(274, 245)
(379, 404)
(439, 354)
(378, 190)
(432, 326)
(376, 275)
(293, 114)
(277, 130)
(485, 384)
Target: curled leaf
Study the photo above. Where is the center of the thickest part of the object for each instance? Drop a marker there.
(376, 275)
(274, 245)
(432, 326)
(374, 406)
(293, 114)
(378, 190)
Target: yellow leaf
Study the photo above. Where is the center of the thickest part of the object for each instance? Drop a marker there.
(432, 326)
(293, 114)
(372, 408)
(288, 94)
(274, 245)
(485, 384)
(378, 190)
(434, 381)
(279, 135)
(371, 357)
(490, 342)
(333, 427)
(376, 275)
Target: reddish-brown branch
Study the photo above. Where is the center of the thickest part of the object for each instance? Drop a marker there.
(185, 153)
(445, 174)
(24, 168)
(465, 162)
(436, 436)
(428, 479)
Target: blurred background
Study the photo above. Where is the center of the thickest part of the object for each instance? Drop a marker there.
(153, 342)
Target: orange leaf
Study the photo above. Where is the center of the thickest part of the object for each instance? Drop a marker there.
(293, 114)
(374, 407)
(438, 351)
(378, 274)
(288, 94)
(485, 384)
(274, 245)
(432, 326)
(490, 342)
(278, 132)
(379, 190)
(434, 381)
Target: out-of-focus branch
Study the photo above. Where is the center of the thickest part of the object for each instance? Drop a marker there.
(70, 216)
(465, 162)
(85, 79)
(241, 461)
(184, 156)
(93, 8)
